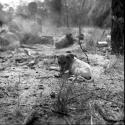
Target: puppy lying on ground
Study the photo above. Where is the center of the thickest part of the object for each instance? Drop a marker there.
(75, 67)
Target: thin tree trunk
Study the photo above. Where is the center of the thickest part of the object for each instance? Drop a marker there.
(67, 13)
(80, 28)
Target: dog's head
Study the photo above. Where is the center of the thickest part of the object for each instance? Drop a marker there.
(65, 61)
(70, 58)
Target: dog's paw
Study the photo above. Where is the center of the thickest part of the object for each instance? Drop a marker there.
(57, 75)
(72, 78)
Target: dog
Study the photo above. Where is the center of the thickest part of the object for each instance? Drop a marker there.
(64, 42)
(75, 67)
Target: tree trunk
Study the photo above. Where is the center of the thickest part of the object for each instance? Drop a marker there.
(117, 29)
(67, 13)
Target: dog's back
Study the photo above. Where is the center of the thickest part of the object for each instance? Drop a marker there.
(81, 68)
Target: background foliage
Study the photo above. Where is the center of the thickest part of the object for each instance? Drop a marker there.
(66, 12)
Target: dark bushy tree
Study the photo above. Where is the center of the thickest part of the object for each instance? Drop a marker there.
(56, 6)
(32, 7)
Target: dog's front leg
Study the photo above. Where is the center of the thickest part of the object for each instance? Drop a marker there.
(66, 73)
(72, 78)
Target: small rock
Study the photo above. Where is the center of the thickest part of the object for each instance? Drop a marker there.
(6, 76)
(53, 95)
(1, 95)
(2, 69)
(40, 86)
(26, 88)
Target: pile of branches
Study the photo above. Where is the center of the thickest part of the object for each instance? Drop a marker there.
(35, 39)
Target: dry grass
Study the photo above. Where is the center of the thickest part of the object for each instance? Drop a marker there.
(74, 102)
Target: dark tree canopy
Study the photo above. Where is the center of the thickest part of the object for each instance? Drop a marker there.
(32, 7)
(56, 6)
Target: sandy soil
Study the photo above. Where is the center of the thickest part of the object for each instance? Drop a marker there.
(21, 84)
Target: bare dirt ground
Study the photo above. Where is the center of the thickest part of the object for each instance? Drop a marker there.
(26, 81)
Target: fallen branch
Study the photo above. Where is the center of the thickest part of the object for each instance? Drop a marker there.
(45, 77)
(84, 51)
(60, 112)
(104, 116)
(54, 68)
(95, 96)
(117, 103)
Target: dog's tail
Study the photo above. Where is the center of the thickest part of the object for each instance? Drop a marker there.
(81, 79)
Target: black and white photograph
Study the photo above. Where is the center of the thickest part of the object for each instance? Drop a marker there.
(62, 62)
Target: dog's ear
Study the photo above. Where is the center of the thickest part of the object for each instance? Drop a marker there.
(70, 57)
(68, 51)
(61, 59)
(56, 56)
